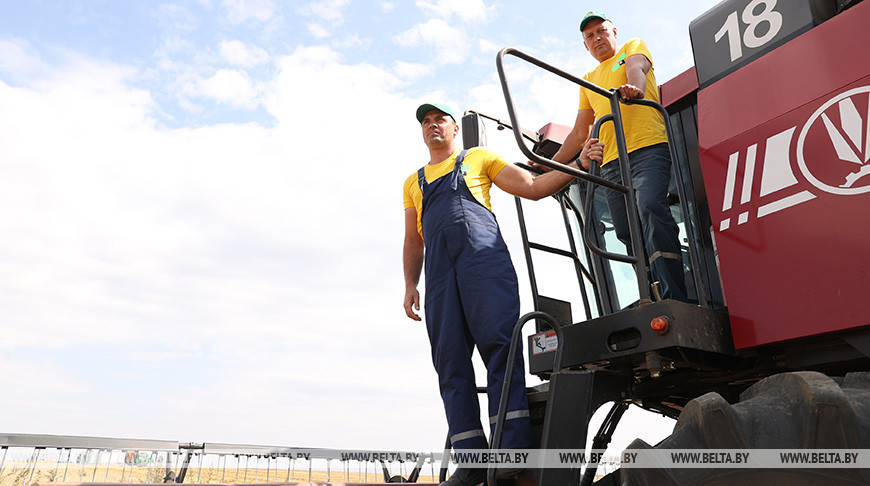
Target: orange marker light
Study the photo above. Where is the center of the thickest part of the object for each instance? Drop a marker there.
(659, 324)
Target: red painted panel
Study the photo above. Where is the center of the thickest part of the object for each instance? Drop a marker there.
(554, 132)
(784, 151)
(815, 63)
(678, 87)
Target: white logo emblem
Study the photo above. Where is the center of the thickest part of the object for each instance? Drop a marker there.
(832, 153)
(844, 132)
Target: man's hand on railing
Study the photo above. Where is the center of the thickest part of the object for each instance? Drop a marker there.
(629, 92)
(542, 168)
(592, 150)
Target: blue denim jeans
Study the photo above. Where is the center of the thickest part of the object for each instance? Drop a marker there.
(650, 174)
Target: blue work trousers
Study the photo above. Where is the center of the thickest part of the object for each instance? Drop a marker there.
(650, 173)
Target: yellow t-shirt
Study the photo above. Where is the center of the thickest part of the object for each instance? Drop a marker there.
(480, 167)
(643, 125)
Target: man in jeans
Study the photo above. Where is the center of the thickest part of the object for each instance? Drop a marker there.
(629, 69)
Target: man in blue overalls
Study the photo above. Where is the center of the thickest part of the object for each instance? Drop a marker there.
(472, 297)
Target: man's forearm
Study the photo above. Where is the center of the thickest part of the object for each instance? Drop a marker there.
(412, 261)
(572, 146)
(636, 77)
(573, 143)
(548, 184)
(636, 68)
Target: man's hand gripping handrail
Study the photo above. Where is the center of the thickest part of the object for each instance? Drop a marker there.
(552, 164)
(580, 174)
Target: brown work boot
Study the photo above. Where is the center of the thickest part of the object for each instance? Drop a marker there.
(466, 476)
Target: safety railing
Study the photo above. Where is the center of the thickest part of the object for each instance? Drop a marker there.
(572, 253)
(27, 459)
(626, 188)
(471, 130)
(516, 335)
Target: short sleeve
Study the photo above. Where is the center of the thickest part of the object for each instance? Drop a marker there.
(408, 190)
(585, 104)
(494, 163)
(637, 46)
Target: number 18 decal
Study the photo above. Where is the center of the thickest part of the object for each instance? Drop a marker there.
(731, 28)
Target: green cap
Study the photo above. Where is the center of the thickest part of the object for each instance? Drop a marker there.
(592, 15)
(427, 107)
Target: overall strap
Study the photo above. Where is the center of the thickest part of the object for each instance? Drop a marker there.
(421, 173)
(457, 167)
(421, 177)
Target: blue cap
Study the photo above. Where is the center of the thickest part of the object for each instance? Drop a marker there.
(427, 107)
(592, 15)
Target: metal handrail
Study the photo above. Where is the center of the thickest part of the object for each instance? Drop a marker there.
(518, 131)
(587, 236)
(700, 288)
(495, 440)
(572, 254)
(628, 192)
(564, 200)
(602, 300)
(626, 189)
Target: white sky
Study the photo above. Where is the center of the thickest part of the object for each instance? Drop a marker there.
(202, 220)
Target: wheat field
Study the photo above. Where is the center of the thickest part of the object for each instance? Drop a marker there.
(21, 474)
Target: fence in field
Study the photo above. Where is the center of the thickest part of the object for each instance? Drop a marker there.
(27, 459)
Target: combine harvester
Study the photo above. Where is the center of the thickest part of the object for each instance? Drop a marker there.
(770, 137)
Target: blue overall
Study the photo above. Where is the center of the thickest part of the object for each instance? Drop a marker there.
(472, 298)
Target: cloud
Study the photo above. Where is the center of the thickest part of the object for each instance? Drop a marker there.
(450, 43)
(230, 249)
(409, 71)
(318, 31)
(176, 18)
(329, 10)
(240, 11)
(329, 15)
(237, 53)
(229, 86)
(488, 47)
(466, 10)
(191, 77)
(17, 57)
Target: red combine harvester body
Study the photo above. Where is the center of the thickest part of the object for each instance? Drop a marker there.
(784, 152)
(770, 140)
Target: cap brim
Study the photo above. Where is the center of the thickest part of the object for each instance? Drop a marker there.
(427, 107)
(590, 19)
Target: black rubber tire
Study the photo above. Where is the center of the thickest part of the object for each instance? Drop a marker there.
(797, 410)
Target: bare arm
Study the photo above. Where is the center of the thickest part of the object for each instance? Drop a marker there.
(412, 261)
(519, 182)
(576, 139)
(636, 67)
